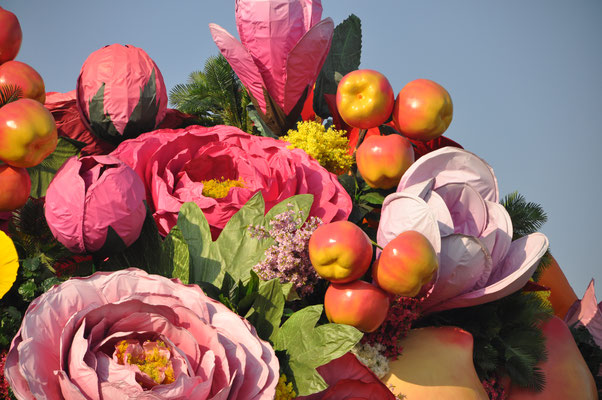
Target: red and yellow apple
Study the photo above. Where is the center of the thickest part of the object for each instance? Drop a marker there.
(382, 160)
(423, 110)
(358, 303)
(340, 251)
(566, 373)
(22, 75)
(28, 133)
(406, 264)
(16, 185)
(436, 364)
(10, 36)
(365, 98)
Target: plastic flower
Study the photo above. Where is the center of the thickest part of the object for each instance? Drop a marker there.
(130, 335)
(95, 202)
(328, 147)
(9, 263)
(282, 47)
(587, 312)
(451, 196)
(177, 165)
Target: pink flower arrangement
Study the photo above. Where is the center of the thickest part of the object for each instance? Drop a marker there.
(177, 166)
(128, 334)
(587, 312)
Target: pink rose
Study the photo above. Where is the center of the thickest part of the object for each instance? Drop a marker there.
(177, 165)
(130, 335)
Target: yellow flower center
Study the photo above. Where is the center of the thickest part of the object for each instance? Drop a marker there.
(284, 390)
(219, 188)
(153, 358)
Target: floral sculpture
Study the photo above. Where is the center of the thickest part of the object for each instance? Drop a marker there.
(282, 47)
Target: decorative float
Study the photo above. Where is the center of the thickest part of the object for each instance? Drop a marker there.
(339, 247)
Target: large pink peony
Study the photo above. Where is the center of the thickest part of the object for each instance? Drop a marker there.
(179, 166)
(130, 335)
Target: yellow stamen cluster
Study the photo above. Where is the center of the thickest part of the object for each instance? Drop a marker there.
(219, 188)
(328, 147)
(284, 390)
(154, 364)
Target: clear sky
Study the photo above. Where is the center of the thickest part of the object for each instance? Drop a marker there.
(525, 78)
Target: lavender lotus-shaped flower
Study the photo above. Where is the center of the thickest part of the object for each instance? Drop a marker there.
(451, 196)
(283, 44)
(587, 312)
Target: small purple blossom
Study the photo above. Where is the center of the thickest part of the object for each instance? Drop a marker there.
(288, 258)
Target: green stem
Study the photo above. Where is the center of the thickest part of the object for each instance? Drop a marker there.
(375, 244)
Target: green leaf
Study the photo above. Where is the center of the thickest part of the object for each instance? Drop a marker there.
(372, 198)
(101, 124)
(349, 184)
(308, 347)
(28, 290)
(261, 126)
(526, 217)
(42, 174)
(344, 57)
(267, 309)
(175, 255)
(195, 231)
(144, 116)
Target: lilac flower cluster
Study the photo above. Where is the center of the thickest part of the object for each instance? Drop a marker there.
(288, 258)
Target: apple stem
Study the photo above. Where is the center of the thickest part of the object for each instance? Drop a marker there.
(375, 244)
(360, 138)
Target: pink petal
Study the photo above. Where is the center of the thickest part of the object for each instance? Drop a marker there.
(312, 12)
(305, 61)
(466, 206)
(81, 374)
(13, 374)
(68, 389)
(35, 363)
(498, 233)
(588, 313)
(453, 165)
(241, 62)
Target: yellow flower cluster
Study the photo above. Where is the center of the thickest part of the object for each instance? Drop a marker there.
(328, 147)
(219, 188)
(284, 390)
(152, 363)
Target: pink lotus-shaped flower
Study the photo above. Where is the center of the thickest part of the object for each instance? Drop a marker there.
(587, 312)
(451, 196)
(95, 202)
(282, 47)
(130, 335)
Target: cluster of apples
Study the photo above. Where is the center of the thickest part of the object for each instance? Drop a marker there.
(28, 132)
(422, 111)
(342, 253)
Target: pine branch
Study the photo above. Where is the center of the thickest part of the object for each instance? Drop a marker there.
(526, 217)
(9, 93)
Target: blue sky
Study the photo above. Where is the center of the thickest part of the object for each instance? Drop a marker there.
(525, 78)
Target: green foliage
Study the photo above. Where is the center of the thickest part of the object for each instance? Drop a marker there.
(9, 93)
(215, 96)
(42, 174)
(526, 217)
(305, 347)
(506, 336)
(592, 354)
(10, 321)
(344, 56)
(261, 127)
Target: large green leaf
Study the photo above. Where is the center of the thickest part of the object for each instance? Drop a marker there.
(308, 346)
(175, 256)
(344, 57)
(42, 174)
(266, 312)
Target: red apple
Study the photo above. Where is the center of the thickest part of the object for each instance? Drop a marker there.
(10, 36)
(382, 160)
(406, 264)
(423, 110)
(16, 185)
(358, 303)
(22, 75)
(340, 251)
(365, 98)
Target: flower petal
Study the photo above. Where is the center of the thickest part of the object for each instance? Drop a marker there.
(466, 206)
(497, 236)
(587, 312)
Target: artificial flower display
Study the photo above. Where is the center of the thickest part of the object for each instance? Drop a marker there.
(95, 202)
(128, 334)
(279, 55)
(9, 263)
(587, 312)
(451, 196)
(121, 93)
(221, 168)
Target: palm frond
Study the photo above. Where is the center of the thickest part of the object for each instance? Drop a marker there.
(526, 217)
(9, 93)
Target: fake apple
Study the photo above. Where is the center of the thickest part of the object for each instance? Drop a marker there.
(382, 160)
(16, 185)
(28, 133)
(10, 36)
(365, 98)
(406, 264)
(22, 75)
(340, 251)
(358, 303)
(423, 110)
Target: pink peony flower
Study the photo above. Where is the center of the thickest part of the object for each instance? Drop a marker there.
(92, 198)
(130, 335)
(178, 166)
(451, 196)
(282, 47)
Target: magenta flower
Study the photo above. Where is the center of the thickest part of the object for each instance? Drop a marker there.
(587, 312)
(95, 202)
(130, 335)
(282, 47)
(451, 196)
(179, 166)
